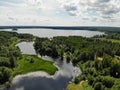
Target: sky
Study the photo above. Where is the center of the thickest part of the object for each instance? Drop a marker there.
(60, 12)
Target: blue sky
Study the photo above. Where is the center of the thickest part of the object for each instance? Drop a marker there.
(60, 12)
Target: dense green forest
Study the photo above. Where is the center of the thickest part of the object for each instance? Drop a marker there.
(9, 54)
(98, 59)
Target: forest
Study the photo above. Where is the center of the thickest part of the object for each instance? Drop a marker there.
(13, 62)
(9, 54)
(98, 57)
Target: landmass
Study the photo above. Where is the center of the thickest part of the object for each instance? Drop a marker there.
(98, 57)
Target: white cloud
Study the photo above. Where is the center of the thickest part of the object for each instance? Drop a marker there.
(102, 10)
(60, 12)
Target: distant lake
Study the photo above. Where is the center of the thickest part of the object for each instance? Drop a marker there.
(51, 32)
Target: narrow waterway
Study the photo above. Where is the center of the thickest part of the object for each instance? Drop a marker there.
(41, 80)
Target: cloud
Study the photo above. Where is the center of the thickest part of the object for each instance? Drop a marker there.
(37, 4)
(60, 12)
(93, 9)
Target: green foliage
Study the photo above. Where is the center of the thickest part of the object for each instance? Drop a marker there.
(110, 35)
(115, 70)
(77, 48)
(108, 81)
(30, 63)
(101, 73)
(90, 79)
(12, 62)
(9, 54)
(107, 61)
(95, 57)
(98, 86)
(32, 60)
(83, 85)
(5, 74)
(28, 37)
(76, 81)
(4, 62)
(116, 85)
(82, 77)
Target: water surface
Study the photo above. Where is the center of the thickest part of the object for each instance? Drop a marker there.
(51, 33)
(27, 48)
(41, 80)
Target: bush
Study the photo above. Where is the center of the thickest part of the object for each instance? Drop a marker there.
(31, 60)
(116, 85)
(76, 81)
(108, 81)
(98, 86)
(90, 80)
(5, 74)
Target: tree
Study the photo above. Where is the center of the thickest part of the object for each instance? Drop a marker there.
(108, 81)
(116, 85)
(12, 62)
(4, 74)
(115, 70)
(76, 81)
(4, 62)
(98, 86)
(107, 61)
(90, 79)
(32, 60)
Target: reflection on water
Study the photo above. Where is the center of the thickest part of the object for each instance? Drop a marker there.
(27, 48)
(40, 83)
(41, 80)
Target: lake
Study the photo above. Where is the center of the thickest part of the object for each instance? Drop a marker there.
(51, 32)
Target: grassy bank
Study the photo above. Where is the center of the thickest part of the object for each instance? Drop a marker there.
(83, 85)
(30, 63)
